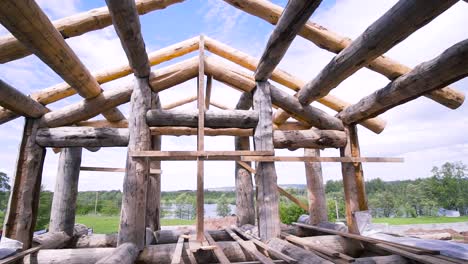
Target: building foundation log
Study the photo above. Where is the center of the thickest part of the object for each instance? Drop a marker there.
(301, 255)
(315, 189)
(52, 240)
(126, 253)
(95, 241)
(20, 219)
(62, 215)
(213, 118)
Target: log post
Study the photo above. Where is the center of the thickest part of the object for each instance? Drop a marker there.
(265, 177)
(132, 217)
(23, 205)
(62, 216)
(153, 197)
(315, 188)
(353, 180)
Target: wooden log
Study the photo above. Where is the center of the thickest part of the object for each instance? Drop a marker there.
(301, 255)
(315, 188)
(292, 198)
(52, 240)
(126, 22)
(101, 169)
(213, 118)
(265, 177)
(126, 253)
(404, 18)
(209, 84)
(245, 211)
(438, 72)
(19, 255)
(62, 215)
(180, 102)
(336, 243)
(293, 18)
(313, 138)
(390, 259)
(187, 131)
(375, 124)
(333, 42)
(62, 137)
(171, 236)
(132, 217)
(217, 251)
(309, 114)
(249, 247)
(75, 25)
(20, 219)
(95, 241)
(161, 79)
(315, 159)
(19, 103)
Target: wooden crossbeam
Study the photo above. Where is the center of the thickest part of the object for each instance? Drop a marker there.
(177, 255)
(247, 246)
(293, 18)
(245, 60)
(19, 103)
(447, 68)
(321, 159)
(404, 18)
(217, 250)
(178, 103)
(333, 42)
(194, 155)
(103, 169)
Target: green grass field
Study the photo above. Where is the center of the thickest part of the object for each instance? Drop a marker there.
(110, 224)
(420, 220)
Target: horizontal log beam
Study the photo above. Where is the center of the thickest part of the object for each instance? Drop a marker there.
(245, 60)
(213, 118)
(192, 131)
(19, 103)
(445, 69)
(313, 138)
(309, 114)
(62, 137)
(293, 18)
(321, 159)
(75, 25)
(159, 80)
(333, 42)
(63, 90)
(101, 169)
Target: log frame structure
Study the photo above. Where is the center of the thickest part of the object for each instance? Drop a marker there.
(261, 115)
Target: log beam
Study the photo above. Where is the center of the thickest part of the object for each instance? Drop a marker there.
(315, 188)
(438, 72)
(312, 138)
(404, 18)
(335, 43)
(62, 215)
(180, 102)
(126, 253)
(265, 176)
(20, 219)
(15, 101)
(293, 18)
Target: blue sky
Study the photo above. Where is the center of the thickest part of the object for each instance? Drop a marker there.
(425, 133)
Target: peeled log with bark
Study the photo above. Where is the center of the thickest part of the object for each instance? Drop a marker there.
(52, 240)
(125, 254)
(312, 138)
(301, 255)
(404, 18)
(445, 69)
(213, 118)
(337, 243)
(95, 241)
(62, 137)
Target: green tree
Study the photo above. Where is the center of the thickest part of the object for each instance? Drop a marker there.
(222, 207)
(448, 185)
(4, 191)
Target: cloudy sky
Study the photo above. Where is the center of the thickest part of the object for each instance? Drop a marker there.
(425, 133)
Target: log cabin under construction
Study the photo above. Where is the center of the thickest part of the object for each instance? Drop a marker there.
(263, 112)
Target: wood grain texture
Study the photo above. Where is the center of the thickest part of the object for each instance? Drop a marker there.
(315, 188)
(63, 137)
(265, 178)
(333, 42)
(403, 19)
(293, 18)
(20, 104)
(312, 138)
(75, 25)
(213, 118)
(126, 22)
(250, 247)
(133, 212)
(302, 256)
(125, 253)
(445, 69)
(222, 259)
(245, 60)
(52, 240)
(20, 218)
(62, 214)
(245, 210)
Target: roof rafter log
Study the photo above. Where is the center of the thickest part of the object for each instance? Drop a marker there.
(445, 69)
(160, 80)
(333, 42)
(45, 41)
(19, 103)
(375, 124)
(403, 19)
(180, 102)
(63, 90)
(75, 25)
(293, 18)
(309, 114)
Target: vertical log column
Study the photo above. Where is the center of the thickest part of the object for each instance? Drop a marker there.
(153, 197)
(62, 216)
(23, 205)
(265, 177)
(353, 179)
(201, 141)
(245, 210)
(133, 214)
(315, 189)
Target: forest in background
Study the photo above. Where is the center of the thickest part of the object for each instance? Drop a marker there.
(447, 187)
